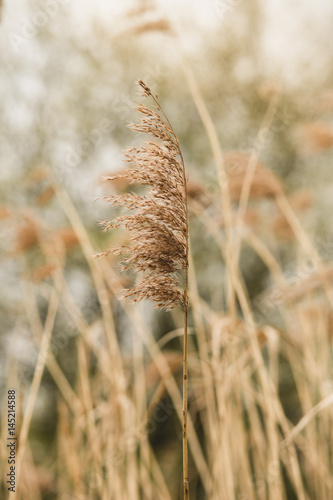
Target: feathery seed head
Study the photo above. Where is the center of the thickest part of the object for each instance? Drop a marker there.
(158, 221)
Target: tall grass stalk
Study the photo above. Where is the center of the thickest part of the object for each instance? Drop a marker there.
(158, 223)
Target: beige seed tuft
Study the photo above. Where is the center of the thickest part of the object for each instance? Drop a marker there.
(157, 222)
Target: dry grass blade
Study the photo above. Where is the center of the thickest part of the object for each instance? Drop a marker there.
(28, 236)
(315, 136)
(35, 385)
(159, 25)
(265, 183)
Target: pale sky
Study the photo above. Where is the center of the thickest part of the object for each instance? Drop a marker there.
(293, 29)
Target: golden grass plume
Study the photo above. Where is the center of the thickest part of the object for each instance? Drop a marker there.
(157, 221)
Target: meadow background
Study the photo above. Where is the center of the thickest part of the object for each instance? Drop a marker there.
(248, 88)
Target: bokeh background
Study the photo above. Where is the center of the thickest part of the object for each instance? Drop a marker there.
(246, 85)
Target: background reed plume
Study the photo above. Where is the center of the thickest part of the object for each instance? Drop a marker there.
(158, 223)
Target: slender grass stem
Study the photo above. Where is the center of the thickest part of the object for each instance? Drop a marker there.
(185, 390)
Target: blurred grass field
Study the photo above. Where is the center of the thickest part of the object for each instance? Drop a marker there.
(98, 381)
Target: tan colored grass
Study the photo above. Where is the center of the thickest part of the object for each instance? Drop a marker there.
(247, 445)
(68, 237)
(265, 184)
(45, 196)
(268, 90)
(315, 136)
(299, 201)
(197, 193)
(224, 385)
(159, 25)
(27, 237)
(5, 212)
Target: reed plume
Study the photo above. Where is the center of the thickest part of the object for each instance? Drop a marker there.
(314, 137)
(158, 223)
